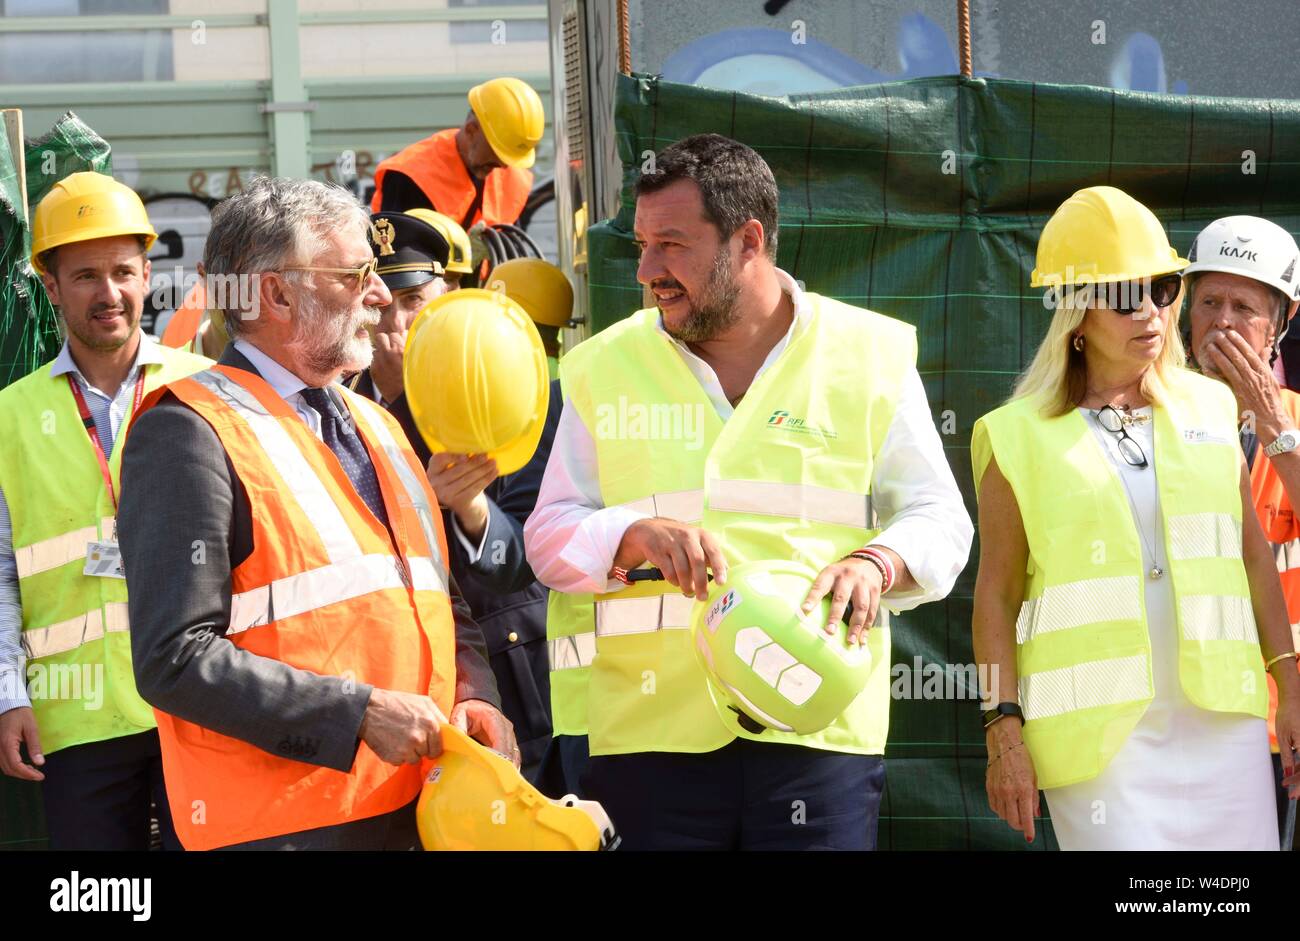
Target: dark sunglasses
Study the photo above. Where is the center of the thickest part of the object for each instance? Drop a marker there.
(1125, 297)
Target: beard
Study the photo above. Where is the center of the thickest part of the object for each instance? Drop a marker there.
(83, 328)
(325, 340)
(715, 311)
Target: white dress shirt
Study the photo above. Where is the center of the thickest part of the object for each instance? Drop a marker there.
(571, 538)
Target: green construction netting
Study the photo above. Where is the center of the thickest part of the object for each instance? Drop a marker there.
(924, 200)
(29, 333)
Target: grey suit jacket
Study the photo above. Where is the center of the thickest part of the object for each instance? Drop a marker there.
(184, 523)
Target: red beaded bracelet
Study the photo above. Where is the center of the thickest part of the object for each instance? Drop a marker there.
(881, 562)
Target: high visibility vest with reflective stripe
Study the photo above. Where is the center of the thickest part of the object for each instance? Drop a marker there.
(325, 590)
(1083, 651)
(1282, 530)
(788, 476)
(74, 625)
(435, 165)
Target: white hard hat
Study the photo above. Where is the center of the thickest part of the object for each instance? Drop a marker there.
(1251, 247)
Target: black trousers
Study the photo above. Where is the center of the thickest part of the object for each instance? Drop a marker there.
(746, 795)
(97, 796)
(1282, 801)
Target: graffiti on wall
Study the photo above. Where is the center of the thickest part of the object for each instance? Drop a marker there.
(352, 169)
(764, 61)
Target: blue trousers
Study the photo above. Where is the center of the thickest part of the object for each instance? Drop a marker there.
(97, 796)
(746, 795)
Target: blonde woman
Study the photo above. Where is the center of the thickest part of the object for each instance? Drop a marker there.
(1128, 606)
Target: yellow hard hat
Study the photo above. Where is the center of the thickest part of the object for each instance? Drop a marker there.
(84, 206)
(541, 289)
(456, 237)
(474, 799)
(476, 377)
(1100, 235)
(511, 116)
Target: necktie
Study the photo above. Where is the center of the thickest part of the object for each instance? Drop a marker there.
(341, 438)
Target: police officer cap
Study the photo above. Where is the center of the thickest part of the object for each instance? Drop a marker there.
(410, 252)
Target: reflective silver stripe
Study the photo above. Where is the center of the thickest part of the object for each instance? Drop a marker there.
(72, 633)
(302, 482)
(1217, 617)
(1084, 686)
(1074, 604)
(57, 550)
(671, 612)
(1204, 536)
(685, 506)
(427, 574)
(329, 584)
(796, 501)
(569, 653)
(1287, 555)
(375, 425)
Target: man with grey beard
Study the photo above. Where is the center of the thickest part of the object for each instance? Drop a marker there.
(295, 628)
(817, 449)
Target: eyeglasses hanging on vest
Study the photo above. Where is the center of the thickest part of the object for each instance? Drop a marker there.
(1116, 422)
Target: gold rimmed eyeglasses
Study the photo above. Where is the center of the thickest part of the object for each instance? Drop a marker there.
(362, 274)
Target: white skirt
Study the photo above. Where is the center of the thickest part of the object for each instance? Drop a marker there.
(1186, 779)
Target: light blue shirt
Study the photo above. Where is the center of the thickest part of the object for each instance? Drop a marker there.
(108, 411)
(286, 385)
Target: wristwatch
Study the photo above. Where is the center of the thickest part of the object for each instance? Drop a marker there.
(1288, 440)
(1003, 709)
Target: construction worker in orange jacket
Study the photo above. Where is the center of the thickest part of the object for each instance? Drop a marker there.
(1243, 288)
(477, 172)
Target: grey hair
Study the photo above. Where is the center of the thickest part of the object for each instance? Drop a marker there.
(274, 223)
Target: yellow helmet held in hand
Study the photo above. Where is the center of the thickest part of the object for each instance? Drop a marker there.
(539, 287)
(84, 206)
(512, 119)
(474, 799)
(460, 260)
(1102, 235)
(476, 377)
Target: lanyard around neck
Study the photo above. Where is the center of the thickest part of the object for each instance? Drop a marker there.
(89, 421)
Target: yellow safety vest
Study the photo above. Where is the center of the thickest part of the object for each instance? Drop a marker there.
(1083, 654)
(74, 625)
(788, 476)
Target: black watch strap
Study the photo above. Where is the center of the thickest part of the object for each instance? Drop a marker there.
(1003, 709)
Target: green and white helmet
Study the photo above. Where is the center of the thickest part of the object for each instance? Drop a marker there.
(769, 661)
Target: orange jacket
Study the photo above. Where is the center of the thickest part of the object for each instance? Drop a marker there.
(325, 589)
(1282, 530)
(435, 165)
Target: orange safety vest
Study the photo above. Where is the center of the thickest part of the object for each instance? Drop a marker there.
(326, 589)
(1281, 529)
(435, 165)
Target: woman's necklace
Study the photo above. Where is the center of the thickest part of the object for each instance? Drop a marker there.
(1156, 571)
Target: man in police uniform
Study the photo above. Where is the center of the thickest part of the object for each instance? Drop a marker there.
(411, 256)
(483, 514)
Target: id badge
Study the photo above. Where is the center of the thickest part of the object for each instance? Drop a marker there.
(103, 560)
